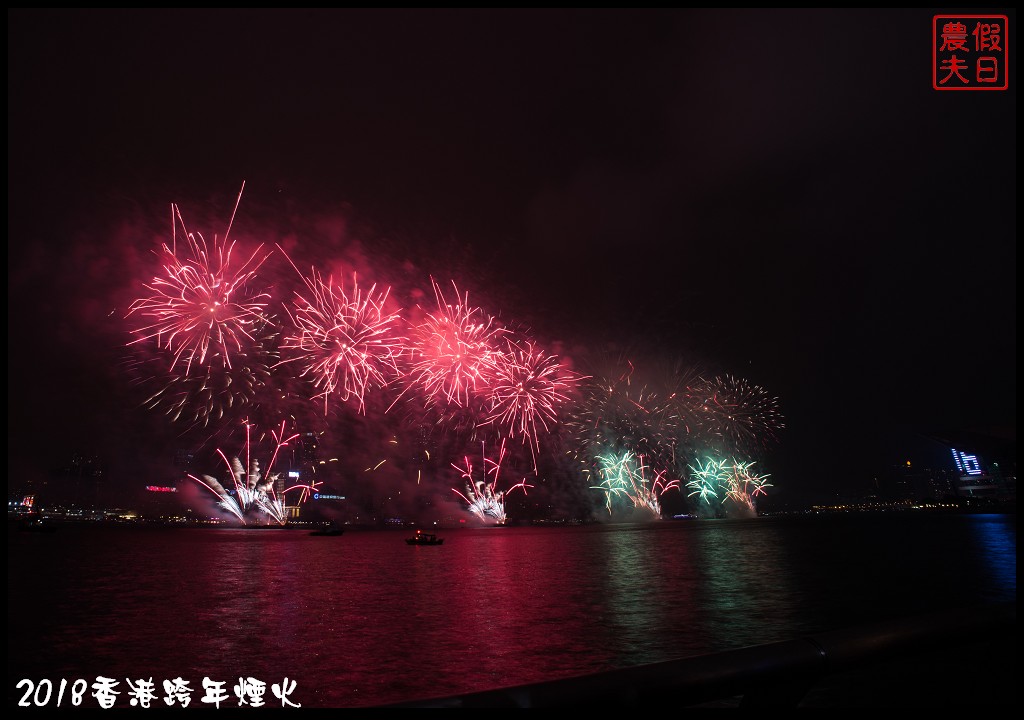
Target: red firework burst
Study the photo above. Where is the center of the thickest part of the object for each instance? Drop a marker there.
(528, 388)
(455, 353)
(203, 305)
(344, 340)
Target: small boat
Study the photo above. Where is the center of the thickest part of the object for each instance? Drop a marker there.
(37, 525)
(422, 538)
(329, 531)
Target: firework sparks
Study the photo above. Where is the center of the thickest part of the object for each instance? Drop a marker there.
(482, 496)
(455, 351)
(210, 392)
(625, 475)
(716, 481)
(744, 486)
(665, 428)
(255, 491)
(614, 415)
(464, 375)
(528, 387)
(203, 305)
(705, 482)
(742, 414)
(344, 339)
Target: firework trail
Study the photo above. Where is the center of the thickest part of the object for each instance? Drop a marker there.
(743, 415)
(207, 393)
(218, 352)
(705, 482)
(614, 415)
(744, 486)
(255, 491)
(202, 308)
(482, 496)
(527, 389)
(616, 419)
(666, 426)
(450, 424)
(454, 351)
(717, 481)
(344, 339)
(684, 428)
(625, 475)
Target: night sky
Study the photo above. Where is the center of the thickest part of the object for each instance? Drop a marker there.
(779, 195)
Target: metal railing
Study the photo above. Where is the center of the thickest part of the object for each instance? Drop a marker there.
(774, 675)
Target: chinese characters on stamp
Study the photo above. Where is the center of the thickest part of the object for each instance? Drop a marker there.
(969, 52)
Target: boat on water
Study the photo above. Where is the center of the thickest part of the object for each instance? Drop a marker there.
(422, 538)
(329, 531)
(36, 525)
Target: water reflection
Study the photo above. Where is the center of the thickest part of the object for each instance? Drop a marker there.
(996, 536)
(364, 618)
(647, 592)
(745, 589)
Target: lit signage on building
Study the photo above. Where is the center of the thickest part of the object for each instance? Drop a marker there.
(967, 464)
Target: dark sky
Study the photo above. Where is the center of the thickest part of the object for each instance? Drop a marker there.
(780, 195)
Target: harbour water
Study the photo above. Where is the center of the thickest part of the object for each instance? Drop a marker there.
(364, 619)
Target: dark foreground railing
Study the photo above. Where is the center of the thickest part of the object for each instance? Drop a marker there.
(774, 675)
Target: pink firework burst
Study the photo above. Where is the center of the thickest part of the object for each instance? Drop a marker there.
(344, 339)
(527, 390)
(203, 305)
(455, 353)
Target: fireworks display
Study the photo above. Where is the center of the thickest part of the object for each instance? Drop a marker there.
(616, 415)
(742, 415)
(204, 337)
(528, 388)
(455, 351)
(716, 482)
(344, 340)
(254, 494)
(208, 393)
(209, 349)
(482, 495)
(204, 306)
(626, 476)
(705, 483)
